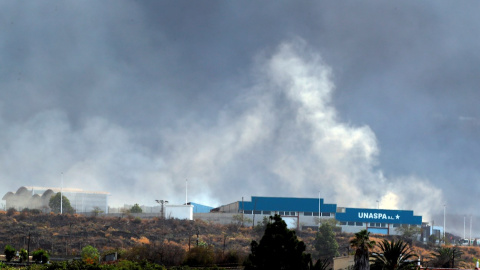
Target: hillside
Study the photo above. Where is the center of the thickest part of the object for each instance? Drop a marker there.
(65, 235)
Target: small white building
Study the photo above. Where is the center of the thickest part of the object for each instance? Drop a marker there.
(179, 211)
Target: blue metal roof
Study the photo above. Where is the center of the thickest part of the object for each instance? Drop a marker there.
(200, 208)
(286, 204)
(379, 215)
(311, 205)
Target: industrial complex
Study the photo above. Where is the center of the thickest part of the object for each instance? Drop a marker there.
(298, 213)
(302, 213)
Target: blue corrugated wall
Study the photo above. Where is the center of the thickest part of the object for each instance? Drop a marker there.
(200, 208)
(286, 204)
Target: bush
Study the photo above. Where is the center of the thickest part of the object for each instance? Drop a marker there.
(200, 256)
(137, 220)
(232, 258)
(140, 266)
(11, 211)
(136, 209)
(9, 252)
(90, 255)
(27, 211)
(23, 255)
(40, 256)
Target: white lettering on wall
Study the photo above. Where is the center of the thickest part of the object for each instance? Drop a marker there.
(379, 215)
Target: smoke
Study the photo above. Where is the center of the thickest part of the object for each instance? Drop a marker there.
(283, 137)
(279, 136)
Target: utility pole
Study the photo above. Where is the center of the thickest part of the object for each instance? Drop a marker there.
(319, 210)
(162, 202)
(28, 247)
(243, 211)
(61, 195)
(470, 239)
(444, 228)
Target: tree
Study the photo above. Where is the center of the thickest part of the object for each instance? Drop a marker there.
(23, 255)
(96, 211)
(9, 252)
(394, 255)
(261, 226)
(325, 242)
(58, 199)
(362, 244)
(445, 257)
(241, 219)
(90, 254)
(432, 240)
(408, 232)
(279, 248)
(136, 209)
(41, 256)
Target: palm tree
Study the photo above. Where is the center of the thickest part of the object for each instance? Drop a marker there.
(445, 257)
(362, 244)
(395, 255)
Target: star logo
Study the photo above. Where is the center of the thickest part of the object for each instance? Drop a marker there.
(397, 216)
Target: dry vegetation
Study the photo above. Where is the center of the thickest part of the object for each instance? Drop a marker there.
(65, 235)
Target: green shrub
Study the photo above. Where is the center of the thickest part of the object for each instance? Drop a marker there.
(23, 255)
(9, 252)
(137, 220)
(200, 256)
(90, 254)
(40, 256)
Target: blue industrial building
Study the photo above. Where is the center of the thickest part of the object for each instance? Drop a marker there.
(380, 221)
(200, 208)
(309, 212)
(285, 204)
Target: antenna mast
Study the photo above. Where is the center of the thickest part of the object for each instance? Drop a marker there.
(61, 196)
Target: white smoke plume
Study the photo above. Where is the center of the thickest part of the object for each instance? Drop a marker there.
(281, 136)
(284, 138)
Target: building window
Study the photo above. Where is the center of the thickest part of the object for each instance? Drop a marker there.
(292, 213)
(396, 225)
(343, 223)
(350, 223)
(281, 213)
(325, 214)
(257, 212)
(248, 212)
(358, 223)
(315, 214)
(267, 212)
(309, 214)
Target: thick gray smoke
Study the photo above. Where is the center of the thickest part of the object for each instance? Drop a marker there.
(379, 103)
(283, 138)
(280, 137)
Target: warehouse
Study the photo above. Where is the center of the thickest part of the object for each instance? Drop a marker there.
(302, 213)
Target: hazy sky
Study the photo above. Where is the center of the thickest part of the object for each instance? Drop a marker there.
(358, 100)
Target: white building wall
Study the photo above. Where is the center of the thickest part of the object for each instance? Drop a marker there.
(84, 202)
(179, 211)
